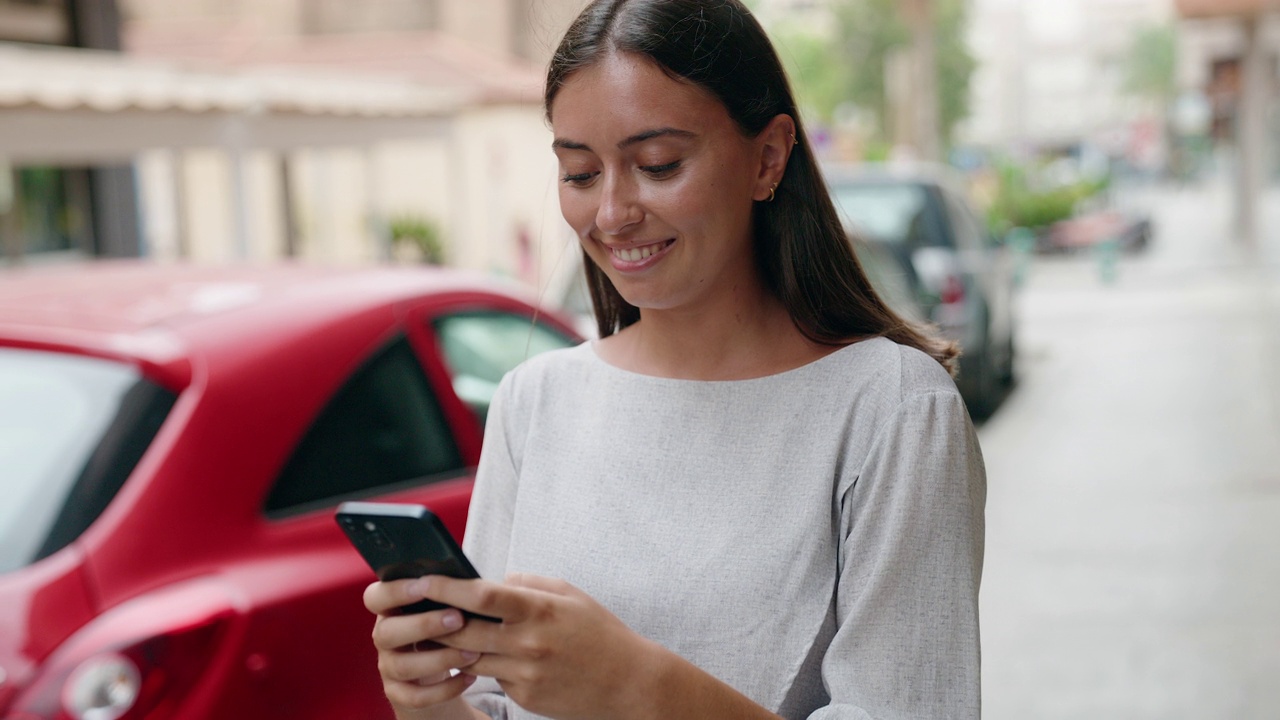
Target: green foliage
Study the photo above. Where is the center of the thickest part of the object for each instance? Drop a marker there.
(1019, 204)
(955, 65)
(877, 151)
(421, 233)
(869, 32)
(818, 81)
(1151, 69)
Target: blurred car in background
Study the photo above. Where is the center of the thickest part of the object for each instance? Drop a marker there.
(960, 277)
(1128, 231)
(173, 442)
(892, 280)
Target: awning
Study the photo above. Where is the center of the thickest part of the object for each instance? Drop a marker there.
(1223, 8)
(64, 106)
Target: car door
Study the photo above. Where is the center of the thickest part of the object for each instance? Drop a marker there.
(384, 435)
(404, 427)
(991, 266)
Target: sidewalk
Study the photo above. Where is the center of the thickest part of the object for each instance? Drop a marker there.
(1133, 560)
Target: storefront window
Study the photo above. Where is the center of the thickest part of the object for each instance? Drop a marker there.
(45, 210)
(35, 21)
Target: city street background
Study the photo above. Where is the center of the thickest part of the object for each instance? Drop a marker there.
(1134, 481)
(1133, 557)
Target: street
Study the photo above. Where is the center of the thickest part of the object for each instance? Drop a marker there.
(1133, 515)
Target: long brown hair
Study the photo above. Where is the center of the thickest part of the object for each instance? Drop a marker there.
(802, 251)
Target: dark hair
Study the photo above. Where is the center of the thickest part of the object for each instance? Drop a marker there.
(802, 251)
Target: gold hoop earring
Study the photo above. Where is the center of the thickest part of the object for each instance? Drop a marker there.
(771, 191)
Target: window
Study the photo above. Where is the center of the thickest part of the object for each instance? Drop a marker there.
(897, 213)
(72, 429)
(45, 210)
(480, 347)
(383, 428)
(971, 233)
(35, 21)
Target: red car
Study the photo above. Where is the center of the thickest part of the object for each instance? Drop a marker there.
(173, 442)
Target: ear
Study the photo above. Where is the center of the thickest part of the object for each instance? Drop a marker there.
(774, 143)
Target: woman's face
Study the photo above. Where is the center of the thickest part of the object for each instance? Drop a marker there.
(658, 182)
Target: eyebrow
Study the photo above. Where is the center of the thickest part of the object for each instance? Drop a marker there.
(632, 140)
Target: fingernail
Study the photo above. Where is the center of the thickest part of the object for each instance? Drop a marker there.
(452, 620)
(469, 656)
(420, 586)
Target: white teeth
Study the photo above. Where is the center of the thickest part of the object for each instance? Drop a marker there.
(637, 254)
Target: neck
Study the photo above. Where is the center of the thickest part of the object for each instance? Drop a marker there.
(745, 334)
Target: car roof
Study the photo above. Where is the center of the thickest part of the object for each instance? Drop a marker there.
(159, 315)
(924, 173)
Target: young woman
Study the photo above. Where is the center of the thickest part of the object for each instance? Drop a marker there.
(759, 494)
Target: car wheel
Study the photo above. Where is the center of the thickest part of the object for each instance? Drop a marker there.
(1007, 375)
(983, 386)
(981, 378)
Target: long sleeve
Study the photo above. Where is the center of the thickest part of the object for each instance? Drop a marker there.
(906, 643)
(488, 535)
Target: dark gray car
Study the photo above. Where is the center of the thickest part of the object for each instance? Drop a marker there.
(961, 277)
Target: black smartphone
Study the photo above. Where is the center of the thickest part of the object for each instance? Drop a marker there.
(401, 541)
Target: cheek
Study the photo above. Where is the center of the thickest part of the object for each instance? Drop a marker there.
(710, 204)
(578, 210)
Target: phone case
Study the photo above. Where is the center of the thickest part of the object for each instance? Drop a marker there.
(401, 541)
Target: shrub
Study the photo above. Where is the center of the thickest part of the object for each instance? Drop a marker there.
(420, 232)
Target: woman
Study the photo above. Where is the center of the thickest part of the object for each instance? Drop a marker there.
(759, 494)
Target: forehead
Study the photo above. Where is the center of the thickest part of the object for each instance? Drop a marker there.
(625, 93)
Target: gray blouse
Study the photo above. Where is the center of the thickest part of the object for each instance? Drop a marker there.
(812, 538)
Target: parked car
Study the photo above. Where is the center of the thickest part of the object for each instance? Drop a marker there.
(892, 280)
(1130, 232)
(962, 277)
(173, 442)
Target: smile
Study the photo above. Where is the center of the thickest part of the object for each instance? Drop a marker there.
(636, 254)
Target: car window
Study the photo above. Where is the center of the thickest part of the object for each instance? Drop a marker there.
(969, 234)
(384, 427)
(72, 429)
(482, 346)
(890, 278)
(897, 213)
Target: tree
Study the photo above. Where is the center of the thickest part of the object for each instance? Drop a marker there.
(1151, 72)
(869, 32)
(1152, 64)
(955, 65)
(819, 80)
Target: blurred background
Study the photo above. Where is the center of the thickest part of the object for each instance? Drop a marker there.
(1106, 245)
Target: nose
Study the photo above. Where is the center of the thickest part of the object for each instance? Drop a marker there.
(619, 206)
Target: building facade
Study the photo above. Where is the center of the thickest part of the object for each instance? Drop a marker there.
(65, 209)
(1052, 75)
(260, 170)
(486, 183)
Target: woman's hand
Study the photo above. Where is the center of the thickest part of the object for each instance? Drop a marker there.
(557, 652)
(416, 669)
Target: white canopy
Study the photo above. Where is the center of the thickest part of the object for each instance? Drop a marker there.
(73, 106)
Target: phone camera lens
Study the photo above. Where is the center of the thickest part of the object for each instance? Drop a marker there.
(380, 539)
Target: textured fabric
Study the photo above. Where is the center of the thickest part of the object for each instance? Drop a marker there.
(812, 538)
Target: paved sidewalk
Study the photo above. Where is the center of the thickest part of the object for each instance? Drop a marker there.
(1133, 565)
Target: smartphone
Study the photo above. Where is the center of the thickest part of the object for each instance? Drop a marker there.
(401, 541)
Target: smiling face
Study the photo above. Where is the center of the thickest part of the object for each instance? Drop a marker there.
(658, 183)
